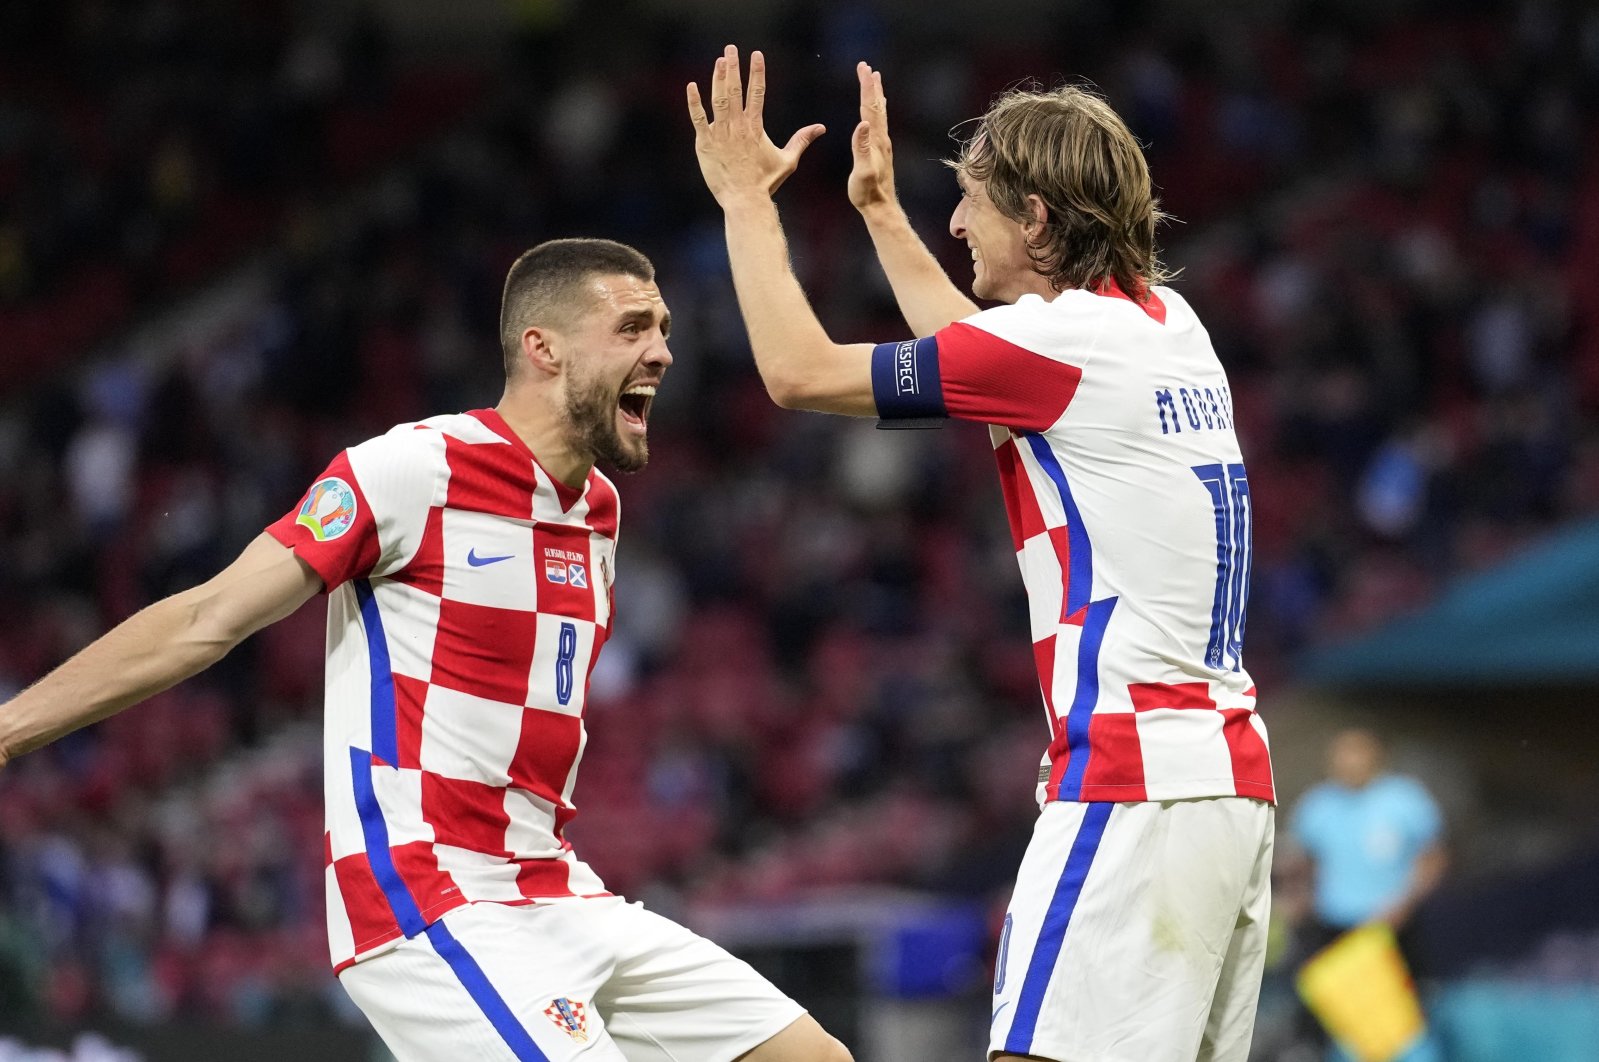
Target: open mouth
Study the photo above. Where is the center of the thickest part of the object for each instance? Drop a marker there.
(635, 405)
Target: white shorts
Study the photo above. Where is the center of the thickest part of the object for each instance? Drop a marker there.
(601, 977)
(1137, 933)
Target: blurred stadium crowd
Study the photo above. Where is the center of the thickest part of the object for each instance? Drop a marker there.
(820, 673)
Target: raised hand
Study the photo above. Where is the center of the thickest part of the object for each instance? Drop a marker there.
(736, 156)
(871, 181)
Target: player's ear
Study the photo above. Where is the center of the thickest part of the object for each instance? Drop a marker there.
(1038, 216)
(539, 351)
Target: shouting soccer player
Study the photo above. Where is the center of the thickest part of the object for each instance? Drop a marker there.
(1137, 929)
(469, 561)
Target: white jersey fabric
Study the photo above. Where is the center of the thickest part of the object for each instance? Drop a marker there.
(1130, 510)
(470, 594)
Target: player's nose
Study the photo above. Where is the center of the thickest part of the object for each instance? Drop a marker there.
(957, 220)
(659, 354)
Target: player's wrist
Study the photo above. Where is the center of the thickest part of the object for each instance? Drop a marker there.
(746, 201)
(881, 209)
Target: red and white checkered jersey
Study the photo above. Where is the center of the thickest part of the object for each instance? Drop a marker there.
(470, 594)
(1129, 507)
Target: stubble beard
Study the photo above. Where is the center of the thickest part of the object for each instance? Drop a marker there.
(591, 422)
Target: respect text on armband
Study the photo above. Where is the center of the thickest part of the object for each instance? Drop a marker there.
(905, 381)
(1193, 408)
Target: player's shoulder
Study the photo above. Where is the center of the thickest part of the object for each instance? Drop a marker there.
(417, 449)
(1403, 788)
(1076, 318)
(1054, 328)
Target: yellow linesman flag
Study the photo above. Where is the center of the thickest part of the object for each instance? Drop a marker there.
(1361, 991)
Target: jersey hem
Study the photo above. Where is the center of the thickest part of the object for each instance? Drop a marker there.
(1134, 793)
(370, 950)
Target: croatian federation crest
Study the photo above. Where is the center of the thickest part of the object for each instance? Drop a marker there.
(328, 510)
(571, 1017)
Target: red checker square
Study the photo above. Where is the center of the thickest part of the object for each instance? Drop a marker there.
(544, 877)
(486, 478)
(418, 867)
(563, 816)
(1117, 758)
(1251, 761)
(425, 570)
(564, 571)
(409, 696)
(602, 507)
(1044, 656)
(1148, 696)
(371, 919)
(1021, 504)
(484, 651)
(465, 814)
(548, 748)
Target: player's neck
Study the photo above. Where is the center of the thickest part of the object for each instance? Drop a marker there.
(542, 433)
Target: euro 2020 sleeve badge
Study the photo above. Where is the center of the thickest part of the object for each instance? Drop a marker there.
(328, 510)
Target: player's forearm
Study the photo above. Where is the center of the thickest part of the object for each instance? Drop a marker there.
(926, 296)
(792, 350)
(149, 652)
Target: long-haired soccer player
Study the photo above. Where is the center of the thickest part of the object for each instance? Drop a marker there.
(1137, 929)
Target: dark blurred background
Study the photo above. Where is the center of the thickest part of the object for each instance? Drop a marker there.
(236, 237)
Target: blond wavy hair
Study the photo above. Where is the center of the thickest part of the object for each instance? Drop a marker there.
(1069, 148)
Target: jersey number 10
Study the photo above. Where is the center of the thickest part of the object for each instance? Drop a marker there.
(1229, 493)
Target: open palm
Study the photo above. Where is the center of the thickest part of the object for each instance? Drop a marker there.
(736, 156)
(871, 181)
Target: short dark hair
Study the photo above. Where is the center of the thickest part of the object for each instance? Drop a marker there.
(544, 285)
(1069, 148)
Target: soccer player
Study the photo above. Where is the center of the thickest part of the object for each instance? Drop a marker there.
(469, 560)
(1137, 929)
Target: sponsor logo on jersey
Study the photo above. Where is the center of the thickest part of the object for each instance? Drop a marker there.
(571, 1017)
(328, 510)
(555, 571)
(477, 562)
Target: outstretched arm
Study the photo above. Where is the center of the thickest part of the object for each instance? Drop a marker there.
(159, 647)
(801, 366)
(926, 296)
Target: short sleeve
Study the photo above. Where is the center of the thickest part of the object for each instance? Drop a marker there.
(1425, 821)
(366, 514)
(997, 367)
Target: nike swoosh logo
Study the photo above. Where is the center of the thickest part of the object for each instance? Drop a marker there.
(477, 562)
(996, 1014)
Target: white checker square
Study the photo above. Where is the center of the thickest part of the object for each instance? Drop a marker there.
(1045, 585)
(341, 937)
(560, 664)
(531, 834)
(411, 624)
(580, 879)
(399, 794)
(469, 737)
(1182, 746)
(479, 875)
(488, 560)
